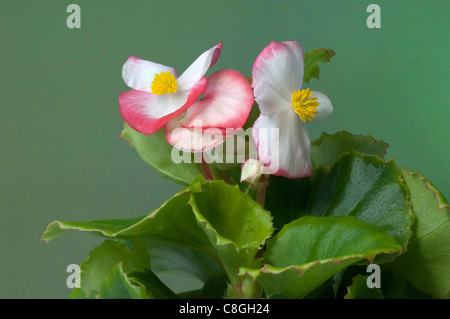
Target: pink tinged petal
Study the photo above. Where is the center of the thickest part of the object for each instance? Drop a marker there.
(325, 107)
(226, 102)
(138, 74)
(192, 139)
(199, 68)
(268, 99)
(148, 113)
(289, 153)
(281, 65)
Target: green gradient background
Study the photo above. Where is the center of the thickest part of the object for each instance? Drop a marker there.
(60, 155)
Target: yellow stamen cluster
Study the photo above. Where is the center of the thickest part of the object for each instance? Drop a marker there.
(164, 83)
(303, 105)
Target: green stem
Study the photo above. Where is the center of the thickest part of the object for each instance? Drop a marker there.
(262, 186)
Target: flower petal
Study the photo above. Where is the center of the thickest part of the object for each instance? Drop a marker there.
(268, 99)
(283, 144)
(192, 139)
(138, 74)
(226, 102)
(198, 68)
(148, 113)
(282, 65)
(251, 171)
(325, 107)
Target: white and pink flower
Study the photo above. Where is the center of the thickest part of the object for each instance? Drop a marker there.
(158, 95)
(277, 83)
(161, 99)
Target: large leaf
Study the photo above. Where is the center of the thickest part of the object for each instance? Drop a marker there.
(312, 60)
(426, 263)
(310, 250)
(118, 286)
(358, 185)
(326, 150)
(233, 227)
(235, 224)
(287, 198)
(157, 152)
(173, 222)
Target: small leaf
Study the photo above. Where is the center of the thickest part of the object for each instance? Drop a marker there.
(310, 250)
(359, 290)
(103, 258)
(157, 153)
(326, 150)
(426, 263)
(117, 286)
(312, 60)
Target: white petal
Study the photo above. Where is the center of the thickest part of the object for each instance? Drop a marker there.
(289, 154)
(251, 171)
(280, 64)
(325, 107)
(268, 99)
(198, 68)
(138, 74)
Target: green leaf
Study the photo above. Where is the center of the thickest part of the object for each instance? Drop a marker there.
(220, 221)
(426, 263)
(117, 286)
(312, 60)
(235, 224)
(359, 290)
(152, 284)
(103, 258)
(173, 222)
(326, 150)
(358, 185)
(167, 258)
(156, 152)
(310, 250)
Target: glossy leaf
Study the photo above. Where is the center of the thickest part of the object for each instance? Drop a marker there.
(156, 152)
(310, 250)
(326, 150)
(312, 59)
(426, 263)
(235, 224)
(358, 185)
(220, 221)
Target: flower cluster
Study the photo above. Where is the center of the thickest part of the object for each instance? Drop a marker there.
(159, 99)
